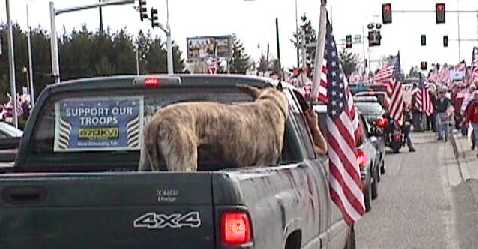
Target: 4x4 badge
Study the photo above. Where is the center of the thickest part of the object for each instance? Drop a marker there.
(158, 221)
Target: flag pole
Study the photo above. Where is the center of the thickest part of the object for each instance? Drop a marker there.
(319, 58)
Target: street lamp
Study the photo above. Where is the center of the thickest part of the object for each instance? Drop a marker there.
(25, 70)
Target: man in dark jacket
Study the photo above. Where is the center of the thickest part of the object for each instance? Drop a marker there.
(406, 128)
(442, 119)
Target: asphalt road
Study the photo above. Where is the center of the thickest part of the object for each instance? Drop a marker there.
(423, 202)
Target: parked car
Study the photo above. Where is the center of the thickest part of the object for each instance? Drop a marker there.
(9, 141)
(366, 155)
(80, 192)
(372, 112)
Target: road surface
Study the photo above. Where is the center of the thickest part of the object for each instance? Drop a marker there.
(424, 201)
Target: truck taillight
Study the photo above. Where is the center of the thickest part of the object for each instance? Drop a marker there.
(236, 228)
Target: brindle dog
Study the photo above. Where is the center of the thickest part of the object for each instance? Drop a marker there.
(245, 134)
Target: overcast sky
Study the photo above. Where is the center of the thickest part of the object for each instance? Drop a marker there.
(254, 23)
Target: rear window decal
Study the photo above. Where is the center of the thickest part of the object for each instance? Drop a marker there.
(97, 124)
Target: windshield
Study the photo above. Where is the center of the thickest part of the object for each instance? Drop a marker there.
(368, 108)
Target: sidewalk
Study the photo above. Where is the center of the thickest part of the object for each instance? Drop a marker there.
(467, 159)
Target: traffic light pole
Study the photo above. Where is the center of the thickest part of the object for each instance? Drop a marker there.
(169, 41)
(449, 11)
(53, 36)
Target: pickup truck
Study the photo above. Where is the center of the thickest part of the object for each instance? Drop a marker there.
(75, 182)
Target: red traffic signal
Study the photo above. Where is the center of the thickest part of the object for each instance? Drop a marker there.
(386, 13)
(423, 40)
(440, 13)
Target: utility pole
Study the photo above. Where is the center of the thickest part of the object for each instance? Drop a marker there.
(297, 33)
(363, 48)
(137, 59)
(101, 18)
(55, 69)
(169, 42)
(459, 33)
(278, 47)
(30, 67)
(11, 61)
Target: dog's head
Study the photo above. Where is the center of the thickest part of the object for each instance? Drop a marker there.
(275, 94)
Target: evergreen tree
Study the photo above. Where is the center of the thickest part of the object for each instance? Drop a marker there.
(240, 61)
(306, 37)
(349, 62)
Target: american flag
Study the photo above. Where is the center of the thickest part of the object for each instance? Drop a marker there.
(396, 102)
(384, 75)
(444, 75)
(474, 73)
(342, 123)
(423, 102)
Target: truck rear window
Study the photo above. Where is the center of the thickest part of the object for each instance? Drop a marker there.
(107, 126)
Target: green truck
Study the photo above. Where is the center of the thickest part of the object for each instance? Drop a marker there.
(75, 182)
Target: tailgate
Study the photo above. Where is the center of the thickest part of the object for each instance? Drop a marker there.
(107, 211)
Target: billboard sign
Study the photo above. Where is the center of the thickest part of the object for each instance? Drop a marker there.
(203, 47)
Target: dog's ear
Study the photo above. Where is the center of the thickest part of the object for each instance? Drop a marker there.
(280, 87)
(254, 92)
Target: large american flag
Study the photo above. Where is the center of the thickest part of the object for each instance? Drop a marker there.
(396, 102)
(389, 75)
(342, 123)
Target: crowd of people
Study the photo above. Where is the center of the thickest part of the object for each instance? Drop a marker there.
(23, 109)
(455, 105)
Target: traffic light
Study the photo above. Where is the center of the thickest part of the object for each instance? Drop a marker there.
(445, 41)
(386, 13)
(154, 18)
(440, 13)
(143, 11)
(348, 41)
(423, 40)
(374, 38)
(423, 65)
